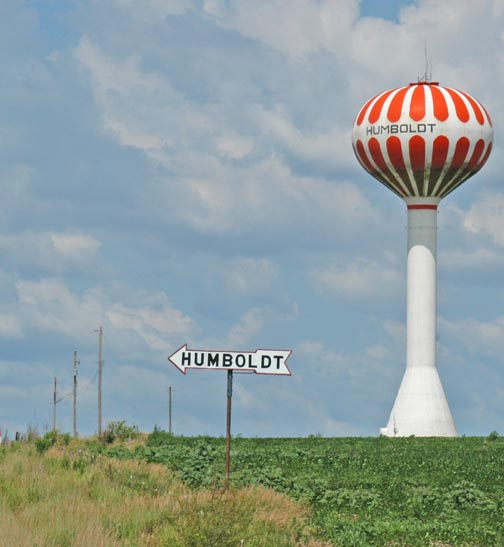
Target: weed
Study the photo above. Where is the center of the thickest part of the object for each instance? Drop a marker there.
(70, 496)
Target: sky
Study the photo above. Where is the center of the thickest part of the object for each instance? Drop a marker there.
(181, 172)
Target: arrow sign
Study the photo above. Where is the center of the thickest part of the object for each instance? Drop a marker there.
(262, 361)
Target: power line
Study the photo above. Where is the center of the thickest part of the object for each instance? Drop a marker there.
(56, 400)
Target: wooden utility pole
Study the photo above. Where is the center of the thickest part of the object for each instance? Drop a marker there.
(75, 363)
(100, 366)
(54, 405)
(169, 409)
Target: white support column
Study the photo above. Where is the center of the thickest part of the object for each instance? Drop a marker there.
(420, 407)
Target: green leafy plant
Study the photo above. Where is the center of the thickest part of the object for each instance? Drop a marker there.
(42, 444)
(119, 430)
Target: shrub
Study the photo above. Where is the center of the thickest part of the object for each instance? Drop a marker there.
(119, 430)
(42, 444)
(51, 438)
(493, 436)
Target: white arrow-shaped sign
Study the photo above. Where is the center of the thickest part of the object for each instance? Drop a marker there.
(262, 361)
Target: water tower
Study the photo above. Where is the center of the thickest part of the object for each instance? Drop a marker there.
(422, 141)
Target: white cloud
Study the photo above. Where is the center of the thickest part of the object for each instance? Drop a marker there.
(49, 306)
(18, 195)
(378, 352)
(216, 8)
(439, 25)
(198, 143)
(330, 146)
(293, 27)
(142, 109)
(155, 326)
(486, 216)
(316, 355)
(475, 336)
(57, 253)
(269, 197)
(477, 259)
(120, 85)
(234, 146)
(10, 326)
(74, 245)
(396, 331)
(154, 11)
(360, 279)
(319, 362)
(246, 275)
(251, 323)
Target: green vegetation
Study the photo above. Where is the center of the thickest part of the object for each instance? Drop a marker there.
(165, 490)
(54, 494)
(119, 431)
(42, 444)
(363, 491)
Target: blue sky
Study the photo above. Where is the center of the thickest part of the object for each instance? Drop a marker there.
(181, 171)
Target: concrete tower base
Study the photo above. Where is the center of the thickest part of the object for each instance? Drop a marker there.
(420, 407)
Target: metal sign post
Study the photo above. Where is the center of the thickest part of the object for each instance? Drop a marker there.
(228, 426)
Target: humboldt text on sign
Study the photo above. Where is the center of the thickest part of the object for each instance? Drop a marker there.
(262, 361)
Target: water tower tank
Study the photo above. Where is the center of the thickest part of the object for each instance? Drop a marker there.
(422, 141)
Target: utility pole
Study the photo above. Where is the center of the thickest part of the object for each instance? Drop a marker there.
(75, 363)
(100, 366)
(169, 409)
(54, 405)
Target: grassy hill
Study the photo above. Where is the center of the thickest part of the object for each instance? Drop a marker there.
(167, 490)
(75, 496)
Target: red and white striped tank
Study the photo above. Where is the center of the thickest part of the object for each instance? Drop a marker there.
(422, 140)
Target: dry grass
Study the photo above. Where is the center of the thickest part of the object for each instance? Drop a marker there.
(64, 499)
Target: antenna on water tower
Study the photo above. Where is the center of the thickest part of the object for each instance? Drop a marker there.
(427, 76)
